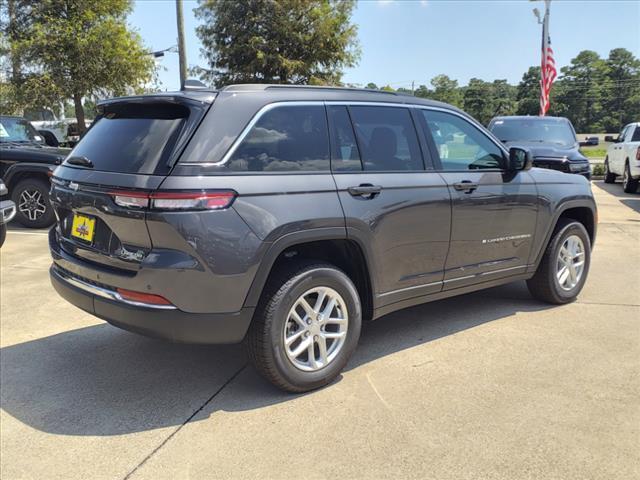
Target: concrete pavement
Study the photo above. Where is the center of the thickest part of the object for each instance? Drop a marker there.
(489, 385)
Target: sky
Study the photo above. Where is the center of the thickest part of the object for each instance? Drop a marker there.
(414, 40)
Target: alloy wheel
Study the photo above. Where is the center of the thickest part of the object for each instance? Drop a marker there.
(570, 262)
(316, 329)
(32, 204)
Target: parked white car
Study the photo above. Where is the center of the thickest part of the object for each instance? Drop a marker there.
(623, 158)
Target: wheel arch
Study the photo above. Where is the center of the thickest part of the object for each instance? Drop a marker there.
(582, 211)
(330, 245)
(20, 171)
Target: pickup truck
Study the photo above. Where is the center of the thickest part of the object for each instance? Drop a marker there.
(623, 158)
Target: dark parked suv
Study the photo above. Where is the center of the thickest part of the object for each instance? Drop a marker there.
(285, 216)
(552, 141)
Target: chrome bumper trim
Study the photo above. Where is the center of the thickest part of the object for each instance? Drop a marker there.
(106, 293)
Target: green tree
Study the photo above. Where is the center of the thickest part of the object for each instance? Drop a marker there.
(423, 92)
(478, 100)
(528, 93)
(583, 91)
(504, 98)
(371, 86)
(76, 48)
(621, 100)
(446, 90)
(284, 41)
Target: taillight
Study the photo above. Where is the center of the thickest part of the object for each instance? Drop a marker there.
(131, 199)
(191, 200)
(638, 154)
(195, 200)
(142, 297)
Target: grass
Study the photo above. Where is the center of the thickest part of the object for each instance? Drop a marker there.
(594, 152)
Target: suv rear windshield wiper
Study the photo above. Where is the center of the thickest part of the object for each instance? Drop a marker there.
(82, 161)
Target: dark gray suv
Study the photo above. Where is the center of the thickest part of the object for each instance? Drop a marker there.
(285, 216)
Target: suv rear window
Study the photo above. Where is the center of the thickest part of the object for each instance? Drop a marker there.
(134, 138)
(285, 138)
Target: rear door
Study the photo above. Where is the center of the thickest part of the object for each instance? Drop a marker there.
(129, 150)
(493, 211)
(394, 206)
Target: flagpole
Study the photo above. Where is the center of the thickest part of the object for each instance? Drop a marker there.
(547, 67)
(545, 37)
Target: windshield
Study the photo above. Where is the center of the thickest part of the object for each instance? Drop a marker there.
(14, 129)
(552, 130)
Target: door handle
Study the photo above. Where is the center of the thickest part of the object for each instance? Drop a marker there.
(365, 190)
(466, 186)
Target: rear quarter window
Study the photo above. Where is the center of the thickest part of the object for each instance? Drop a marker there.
(285, 138)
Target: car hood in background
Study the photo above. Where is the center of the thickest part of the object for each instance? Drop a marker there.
(32, 153)
(550, 151)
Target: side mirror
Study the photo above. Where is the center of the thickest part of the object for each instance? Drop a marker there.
(609, 138)
(520, 159)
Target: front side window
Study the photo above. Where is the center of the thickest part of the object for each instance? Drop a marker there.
(633, 135)
(285, 138)
(460, 144)
(386, 138)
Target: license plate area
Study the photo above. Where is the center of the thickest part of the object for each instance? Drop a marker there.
(83, 228)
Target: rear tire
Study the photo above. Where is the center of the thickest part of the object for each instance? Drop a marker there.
(33, 208)
(629, 185)
(275, 320)
(608, 176)
(546, 284)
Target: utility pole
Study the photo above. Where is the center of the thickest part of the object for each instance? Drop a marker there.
(182, 54)
(413, 84)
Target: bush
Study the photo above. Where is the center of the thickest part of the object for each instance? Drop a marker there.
(597, 169)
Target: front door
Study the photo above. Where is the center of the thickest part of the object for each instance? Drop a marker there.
(396, 208)
(493, 211)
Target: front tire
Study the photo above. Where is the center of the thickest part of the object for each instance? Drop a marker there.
(564, 266)
(3, 233)
(306, 326)
(33, 208)
(608, 176)
(629, 185)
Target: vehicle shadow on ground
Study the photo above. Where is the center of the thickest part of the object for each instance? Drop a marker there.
(101, 381)
(627, 199)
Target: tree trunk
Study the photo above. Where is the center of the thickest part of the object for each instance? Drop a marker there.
(77, 103)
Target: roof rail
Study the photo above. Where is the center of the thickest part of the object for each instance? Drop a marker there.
(267, 86)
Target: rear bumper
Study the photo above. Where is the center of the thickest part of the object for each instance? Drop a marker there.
(170, 324)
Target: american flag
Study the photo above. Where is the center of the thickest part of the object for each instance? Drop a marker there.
(548, 67)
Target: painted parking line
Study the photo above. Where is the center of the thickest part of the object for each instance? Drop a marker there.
(19, 232)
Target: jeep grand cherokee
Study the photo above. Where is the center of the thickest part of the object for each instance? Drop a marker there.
(286, 216)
